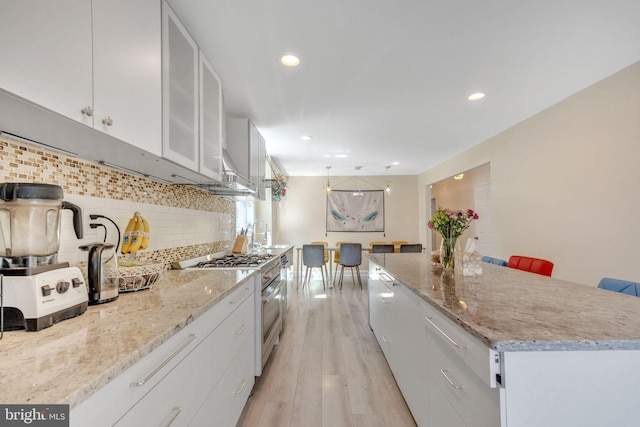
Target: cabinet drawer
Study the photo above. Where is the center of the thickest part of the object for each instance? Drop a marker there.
(224, 404)
(472, 398)
(440, 412)
(226, 340)
(482, 360)
(134, 383)
(176, 399)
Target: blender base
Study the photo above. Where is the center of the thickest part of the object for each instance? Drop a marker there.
(15, 321)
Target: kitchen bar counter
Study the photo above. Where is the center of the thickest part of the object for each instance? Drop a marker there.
(512, 310)
(70, 360)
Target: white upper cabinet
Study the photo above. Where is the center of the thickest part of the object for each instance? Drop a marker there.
(127, 71)
(180, 141)
(95, 62)
(211, 119)
(46, 52)
(247, 149)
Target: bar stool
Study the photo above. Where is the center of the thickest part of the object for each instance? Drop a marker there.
(313, 256)
(351, 256)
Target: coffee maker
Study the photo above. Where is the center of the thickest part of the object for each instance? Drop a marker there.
(36, 290)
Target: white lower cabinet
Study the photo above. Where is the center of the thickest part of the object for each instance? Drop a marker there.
(224, 404)
(395, 315)
(472, 399)
(172, 383)
(447, 377)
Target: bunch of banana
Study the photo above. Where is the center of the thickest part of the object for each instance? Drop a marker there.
(136, 235)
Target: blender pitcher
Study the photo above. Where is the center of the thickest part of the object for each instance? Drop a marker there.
(30, 223)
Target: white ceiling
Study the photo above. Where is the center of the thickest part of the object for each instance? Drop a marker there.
(384, 81)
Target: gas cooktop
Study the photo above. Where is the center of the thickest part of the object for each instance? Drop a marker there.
(233, 260)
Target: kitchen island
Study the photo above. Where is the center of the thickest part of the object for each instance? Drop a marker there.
(506, 348)
(70, 361)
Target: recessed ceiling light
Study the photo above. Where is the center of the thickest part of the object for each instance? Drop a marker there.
(290, 60)
(306, 138)
(341, 156)
(476, 96)
(395, 163)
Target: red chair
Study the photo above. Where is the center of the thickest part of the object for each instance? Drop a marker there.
(532, 265)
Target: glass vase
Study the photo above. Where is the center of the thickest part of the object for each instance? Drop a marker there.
(448, 246)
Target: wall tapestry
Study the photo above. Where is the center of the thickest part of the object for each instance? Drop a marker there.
(361, 210)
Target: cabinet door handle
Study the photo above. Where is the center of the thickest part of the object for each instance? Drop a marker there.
(242, 328)
(174, 414)
(462, 347)
(107, 121)
(384, 276)
(143, 381)
(240, 296)
(444, 372)
(244, 381)
(87, 111)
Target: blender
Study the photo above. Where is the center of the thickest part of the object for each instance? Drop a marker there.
(36, 290)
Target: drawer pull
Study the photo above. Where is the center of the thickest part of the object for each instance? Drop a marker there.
(385, 277)
(240, 296)
(428, 319)
(386, 338)
(174, 414)
(244, 381)
(241, 329)
(143, 381)
(444, 372)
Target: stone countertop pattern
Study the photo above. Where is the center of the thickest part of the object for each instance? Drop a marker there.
(513, 310)
(70, 360)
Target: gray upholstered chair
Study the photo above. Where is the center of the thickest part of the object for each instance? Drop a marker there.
(313, 256)
(382, 248)
(414, 247)
(350, 256)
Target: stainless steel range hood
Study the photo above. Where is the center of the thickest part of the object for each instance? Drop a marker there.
(231, 178)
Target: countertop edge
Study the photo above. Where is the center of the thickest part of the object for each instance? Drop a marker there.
(514, 345)
(102, 379)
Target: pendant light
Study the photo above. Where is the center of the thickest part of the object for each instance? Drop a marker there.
(387, 189)
(328, 187)
(358, 193)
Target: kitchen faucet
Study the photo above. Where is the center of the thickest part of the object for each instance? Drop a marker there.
(253, 233)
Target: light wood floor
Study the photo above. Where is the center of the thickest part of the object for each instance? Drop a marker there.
(328, 369)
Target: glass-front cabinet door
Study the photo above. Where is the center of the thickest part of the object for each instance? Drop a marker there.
(211, 109)
(180, 59)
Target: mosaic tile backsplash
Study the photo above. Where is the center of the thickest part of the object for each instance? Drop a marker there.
(185, 221)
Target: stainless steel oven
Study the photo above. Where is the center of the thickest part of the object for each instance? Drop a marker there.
(271, 311)
(269, 303)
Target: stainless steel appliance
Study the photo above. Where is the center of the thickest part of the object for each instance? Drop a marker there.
(36, 290)
(271, 309)
(286, 275)
(270, 300)
(100, 288)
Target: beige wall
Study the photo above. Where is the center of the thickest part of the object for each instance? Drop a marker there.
(565, 183)
(301, 215)
(460, 194)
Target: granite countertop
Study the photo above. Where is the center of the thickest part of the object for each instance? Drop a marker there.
(513, 310)
(70, 360)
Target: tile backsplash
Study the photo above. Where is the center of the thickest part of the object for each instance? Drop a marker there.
(184, 221)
